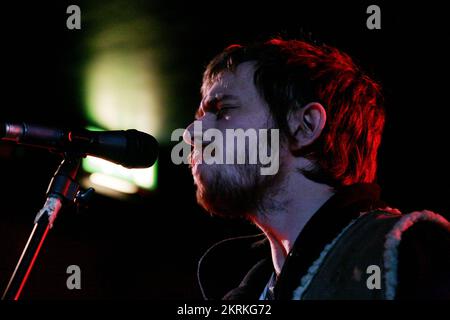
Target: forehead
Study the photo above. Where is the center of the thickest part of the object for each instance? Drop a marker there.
(239, 82)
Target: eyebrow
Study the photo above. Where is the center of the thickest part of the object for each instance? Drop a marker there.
(211, 104)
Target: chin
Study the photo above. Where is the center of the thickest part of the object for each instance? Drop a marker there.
(207, 174)
(222, 191)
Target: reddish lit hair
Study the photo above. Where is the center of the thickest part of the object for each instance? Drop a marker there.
(291, 73)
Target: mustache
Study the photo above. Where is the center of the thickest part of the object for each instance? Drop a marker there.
(193, 157)
(196, 155)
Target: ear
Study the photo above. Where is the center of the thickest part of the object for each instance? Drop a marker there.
(306, 124)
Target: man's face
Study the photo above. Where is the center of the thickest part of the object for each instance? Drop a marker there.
(231, 102)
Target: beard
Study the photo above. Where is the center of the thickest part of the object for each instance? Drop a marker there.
(234, 191)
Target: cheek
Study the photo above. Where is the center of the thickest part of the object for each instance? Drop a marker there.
(286, 157)
(253, 121)
(246, 117)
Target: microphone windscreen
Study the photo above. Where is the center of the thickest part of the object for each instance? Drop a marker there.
(142, 150)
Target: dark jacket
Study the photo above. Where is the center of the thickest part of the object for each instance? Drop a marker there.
(239, 268)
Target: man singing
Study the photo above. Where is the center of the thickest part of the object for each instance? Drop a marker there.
(326, 233)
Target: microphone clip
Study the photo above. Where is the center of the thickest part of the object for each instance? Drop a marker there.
(83, 198)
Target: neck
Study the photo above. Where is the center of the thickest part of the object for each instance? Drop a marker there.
(291, 207)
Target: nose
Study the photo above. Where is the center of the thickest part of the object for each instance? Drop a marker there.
(194, 131)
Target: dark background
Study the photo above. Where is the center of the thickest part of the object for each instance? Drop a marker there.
(147, 247)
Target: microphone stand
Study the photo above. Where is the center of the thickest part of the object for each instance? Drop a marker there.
(62, 189)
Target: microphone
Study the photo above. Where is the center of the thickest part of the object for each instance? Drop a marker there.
(130, 148)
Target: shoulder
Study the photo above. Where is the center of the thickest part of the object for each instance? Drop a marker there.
(424, 260)
(411, 251)
(416, 257)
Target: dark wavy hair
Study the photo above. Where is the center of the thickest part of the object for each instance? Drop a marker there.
(291, 73)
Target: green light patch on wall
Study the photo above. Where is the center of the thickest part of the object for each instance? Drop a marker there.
(118, 178)
(123, 85)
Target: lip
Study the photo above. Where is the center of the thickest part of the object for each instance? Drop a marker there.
(196, 157)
